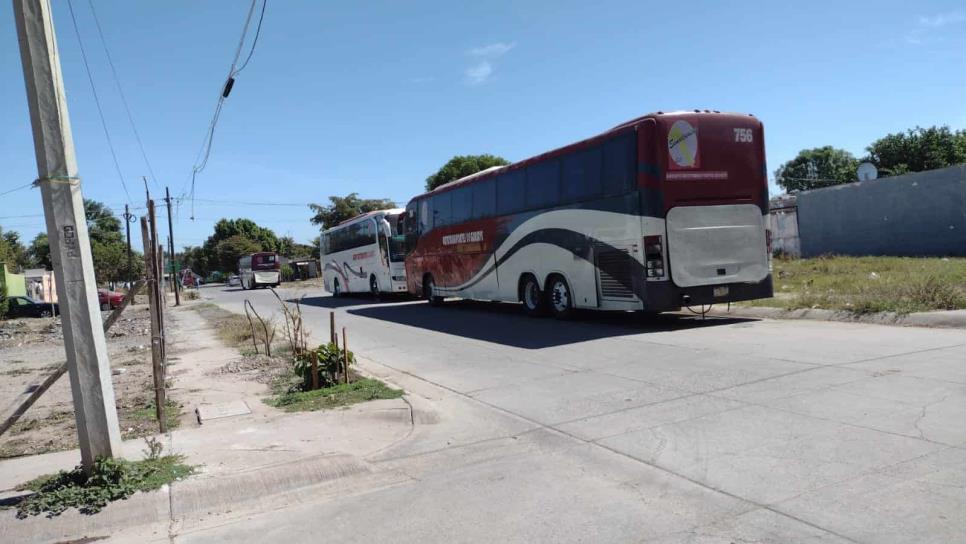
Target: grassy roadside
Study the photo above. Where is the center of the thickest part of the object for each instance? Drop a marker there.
(869, 284)
(287, 386)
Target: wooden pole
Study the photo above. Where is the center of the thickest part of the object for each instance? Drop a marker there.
(156, 362)
(345, 355)
(315, 370)
(333, 337)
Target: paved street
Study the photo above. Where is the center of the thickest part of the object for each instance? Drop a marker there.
(611, 428)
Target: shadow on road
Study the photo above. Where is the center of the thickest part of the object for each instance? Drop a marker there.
(506, 324)
(349, 300)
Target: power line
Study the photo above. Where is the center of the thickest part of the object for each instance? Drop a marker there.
(15, 189)
(97, 101)
(201, 160)
(120, 91)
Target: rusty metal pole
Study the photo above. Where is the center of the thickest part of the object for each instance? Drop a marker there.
(333, 337)
(345, 355)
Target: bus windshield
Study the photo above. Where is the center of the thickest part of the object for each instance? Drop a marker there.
(397, 240)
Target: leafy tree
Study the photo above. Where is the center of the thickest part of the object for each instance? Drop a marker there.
(462, 166)
(197, 259)
(12, 250)
(918, 149)
(39, 251)
(288, 247)
(347, 207)
(316, 251)
(229, 250)
(815, 168)
(226, 228)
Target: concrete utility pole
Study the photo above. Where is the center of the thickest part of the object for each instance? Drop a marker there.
(70, 250)
(128, 217)
(174, 262)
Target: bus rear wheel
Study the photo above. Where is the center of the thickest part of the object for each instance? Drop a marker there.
(561, 299)
(429, 291)
(336, 288)
(533, 297)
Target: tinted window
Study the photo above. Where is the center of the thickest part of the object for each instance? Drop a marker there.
(543, 184)
(462, 205)
(442, 210)
(484, 199)
(619, 164)
(510, 189)
(581, 175)
(425, 215)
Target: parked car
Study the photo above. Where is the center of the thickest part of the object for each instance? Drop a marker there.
(234, 280)
(28, 307)
(109, 299)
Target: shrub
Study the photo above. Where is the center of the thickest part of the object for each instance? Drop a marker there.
(329, 358)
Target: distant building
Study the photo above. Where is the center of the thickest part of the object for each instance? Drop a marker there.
(41, 285)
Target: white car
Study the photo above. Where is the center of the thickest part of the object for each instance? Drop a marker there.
(234, 280)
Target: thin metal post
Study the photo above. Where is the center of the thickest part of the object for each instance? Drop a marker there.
(98, 432)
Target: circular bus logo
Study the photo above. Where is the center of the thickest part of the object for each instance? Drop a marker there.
(682, 143)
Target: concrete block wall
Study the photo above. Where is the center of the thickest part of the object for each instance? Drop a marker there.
(921, 214)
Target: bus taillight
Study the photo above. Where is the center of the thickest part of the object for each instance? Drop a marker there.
(654, 257)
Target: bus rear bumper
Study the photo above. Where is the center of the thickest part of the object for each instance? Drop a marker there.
(665, 296)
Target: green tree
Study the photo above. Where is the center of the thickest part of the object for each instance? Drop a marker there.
(461, 166)
(226, 228)
(316, 251)
(12, 250)
(229, 250)
(917, 150)
(347, 207)
(39, 251)
(815, 168)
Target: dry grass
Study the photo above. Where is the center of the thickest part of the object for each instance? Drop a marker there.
(869, 284)
(233, 329)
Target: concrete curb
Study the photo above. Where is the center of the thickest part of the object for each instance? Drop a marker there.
(953, 319)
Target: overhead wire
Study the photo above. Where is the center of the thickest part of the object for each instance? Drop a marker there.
(19, 188)
(201, 160)
(97, 101)
(120, 91)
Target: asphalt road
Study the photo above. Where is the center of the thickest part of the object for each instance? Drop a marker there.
(611, 428)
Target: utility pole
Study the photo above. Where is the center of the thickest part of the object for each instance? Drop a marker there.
(174, 262)
(128, 218)
(70, 251)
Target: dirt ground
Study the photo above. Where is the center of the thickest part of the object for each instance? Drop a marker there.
(32, 348)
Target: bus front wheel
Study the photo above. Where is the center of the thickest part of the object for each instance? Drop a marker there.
(561, 299)
(374, 286)
(429, 291)
(336, 288)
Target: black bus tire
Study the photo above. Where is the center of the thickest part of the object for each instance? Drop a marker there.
(533, 298)
(429, 290)
(560, 297)
(336, 288)
(374, 286)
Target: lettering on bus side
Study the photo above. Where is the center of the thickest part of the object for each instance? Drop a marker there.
(363, 255)
(463, 238)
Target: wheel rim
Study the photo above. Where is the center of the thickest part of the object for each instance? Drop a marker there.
(373, 286)
(561, 296)
(531, 295)
(335, 288)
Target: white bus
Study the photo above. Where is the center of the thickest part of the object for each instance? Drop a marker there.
(365, 254)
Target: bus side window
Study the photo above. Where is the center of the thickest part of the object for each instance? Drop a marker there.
(484, 199)
(462, 205)
(425, 216)
(510, 192)
(543, 184)
(581, 175)
(619, 164)
(442, 209)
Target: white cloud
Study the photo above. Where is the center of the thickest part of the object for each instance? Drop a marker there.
(943, 19)
(479, 73)
(928, 25)
(492, 50)
(482, 68)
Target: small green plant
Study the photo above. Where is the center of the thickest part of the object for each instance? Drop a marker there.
(109, 480)
(332, 397)
(329, 359)
(191, 294)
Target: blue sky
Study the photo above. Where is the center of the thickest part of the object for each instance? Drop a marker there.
(373, 97)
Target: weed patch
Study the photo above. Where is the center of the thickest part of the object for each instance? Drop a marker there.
(869, 284)
(361, 390)
(110, 480)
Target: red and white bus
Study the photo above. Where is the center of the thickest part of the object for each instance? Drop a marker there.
(259, 270)
(660, 212)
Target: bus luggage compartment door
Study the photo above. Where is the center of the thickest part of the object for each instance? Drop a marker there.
(711, 245)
